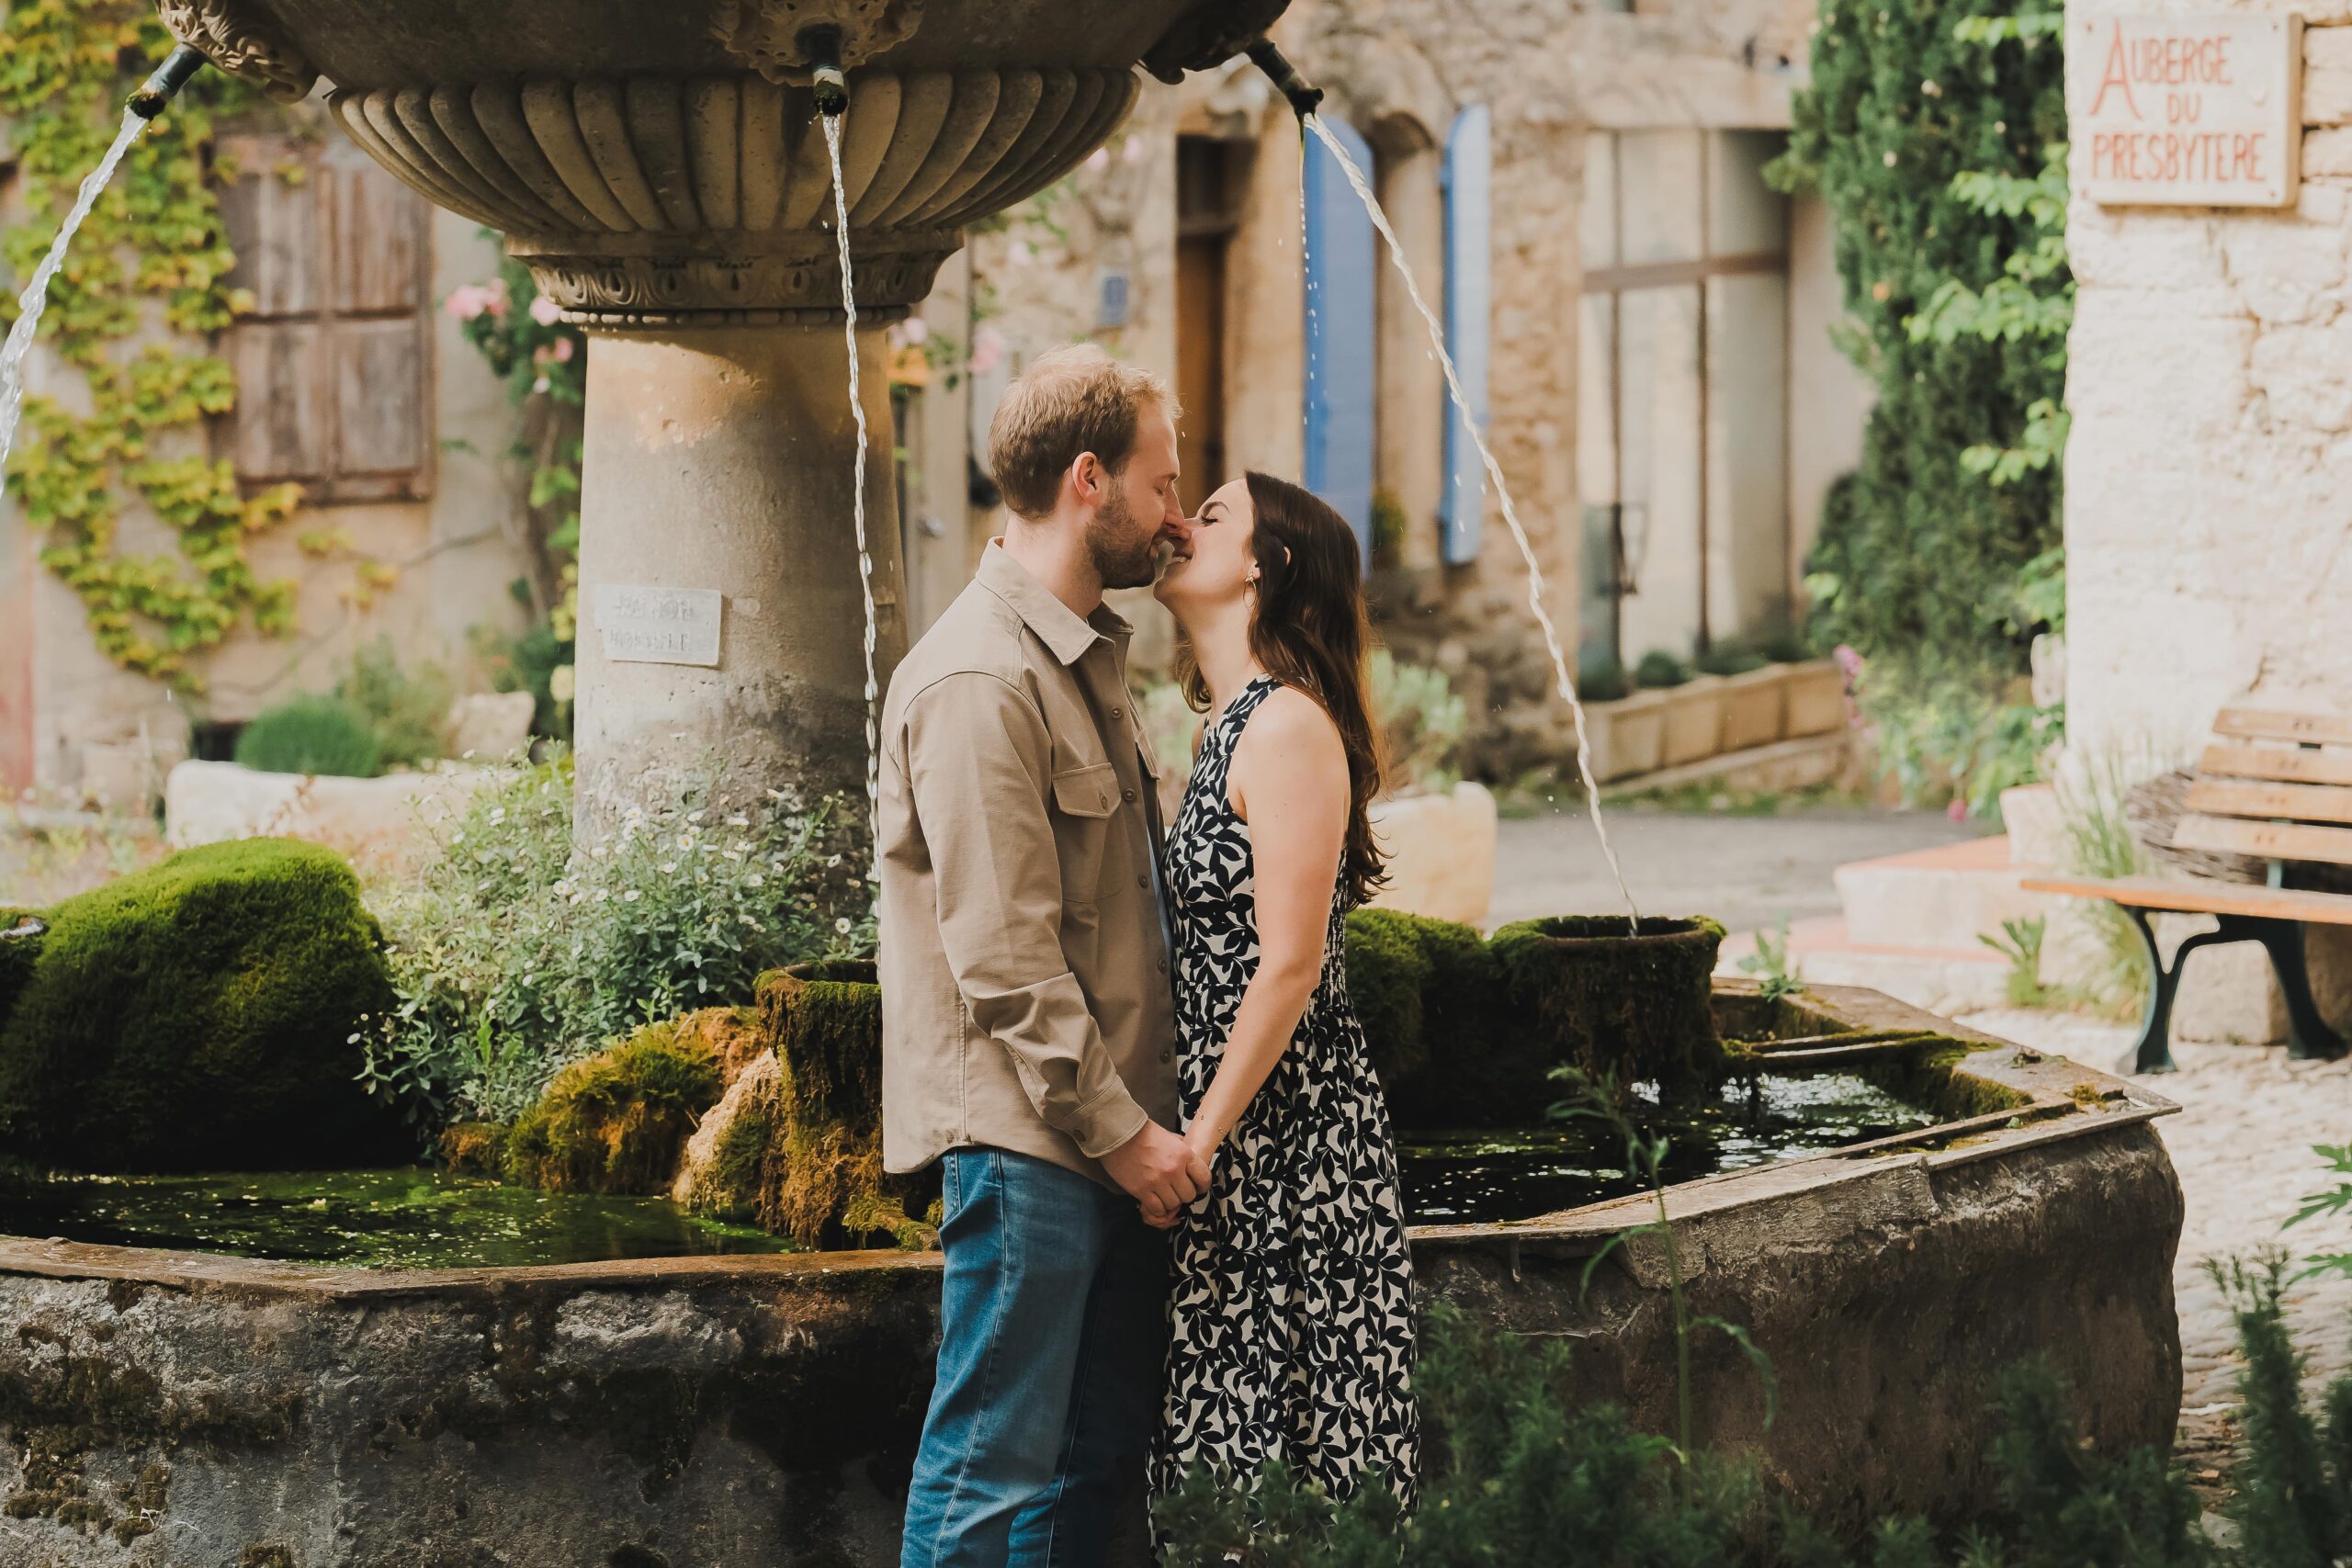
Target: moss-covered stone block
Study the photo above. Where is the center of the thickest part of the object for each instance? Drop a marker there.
(474, 1149)
(618, 1121)
(1448, 1053)
(204, 1012)
(821, 1180)
(1632, 1005)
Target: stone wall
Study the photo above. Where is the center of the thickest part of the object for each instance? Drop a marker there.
(2209, 542)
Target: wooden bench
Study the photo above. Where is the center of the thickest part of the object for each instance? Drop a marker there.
(2275, 787)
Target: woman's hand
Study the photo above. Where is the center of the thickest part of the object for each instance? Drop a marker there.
(1202, 1139)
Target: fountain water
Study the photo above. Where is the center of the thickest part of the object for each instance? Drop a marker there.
(34, 301)
(1313, 121)
(833, 122)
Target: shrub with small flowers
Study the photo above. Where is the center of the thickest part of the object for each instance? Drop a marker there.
(512, 955)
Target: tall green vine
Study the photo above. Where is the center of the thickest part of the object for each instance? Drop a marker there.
(153, 253)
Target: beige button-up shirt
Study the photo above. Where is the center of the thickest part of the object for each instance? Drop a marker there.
(1025, 999)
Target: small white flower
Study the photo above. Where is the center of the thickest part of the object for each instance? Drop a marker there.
(353, 1039)
(459, 840)
(630, 897)
(834, 861)
(577, 896)
(775, 795)
(702, 877)
(738, 821)
(596, 852)
(634, 812)
(669, 865)
(498, 813)
(685, 840)
(731, 854)
(694, 815)
(841, 925)
(603, 894)
(755, 880)
(743, 845)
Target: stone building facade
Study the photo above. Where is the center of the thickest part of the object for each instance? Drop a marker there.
(1662, 394)
(354, 383)
(2209, 532)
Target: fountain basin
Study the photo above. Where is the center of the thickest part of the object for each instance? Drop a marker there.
(764, 1408)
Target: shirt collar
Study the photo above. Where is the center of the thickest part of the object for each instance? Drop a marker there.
(1055, 623)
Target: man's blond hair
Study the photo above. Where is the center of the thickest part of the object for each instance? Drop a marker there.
(1069, 400)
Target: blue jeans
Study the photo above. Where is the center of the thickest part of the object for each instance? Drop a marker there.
(1053, 1333)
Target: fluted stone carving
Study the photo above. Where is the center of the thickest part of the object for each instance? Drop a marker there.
(226, 33)
(652, 198)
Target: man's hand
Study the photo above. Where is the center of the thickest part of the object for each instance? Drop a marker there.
(1157, 1169)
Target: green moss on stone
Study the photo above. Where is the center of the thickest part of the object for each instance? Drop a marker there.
(200, 1013)
(1388, 974)
(616, 1123)
(474, 1149)
(1630, 1005)
(821, 1180)
(733, 1185)
(1430, 996)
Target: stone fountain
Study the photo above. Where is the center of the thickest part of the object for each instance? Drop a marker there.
(658, 167)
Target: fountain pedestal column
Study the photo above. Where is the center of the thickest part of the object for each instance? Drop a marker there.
(720, 458)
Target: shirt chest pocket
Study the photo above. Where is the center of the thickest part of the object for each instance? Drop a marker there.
(1086, 798)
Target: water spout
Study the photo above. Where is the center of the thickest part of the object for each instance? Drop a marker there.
(821, 45)
(1362, 187)
(164, 85)
(1303, 99)
(833, 122)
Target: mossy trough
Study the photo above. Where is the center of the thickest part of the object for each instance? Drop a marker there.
(765, 1409)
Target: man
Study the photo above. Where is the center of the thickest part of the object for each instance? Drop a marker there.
(1028, 1041)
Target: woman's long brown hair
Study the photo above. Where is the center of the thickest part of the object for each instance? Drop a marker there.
(1309, 627)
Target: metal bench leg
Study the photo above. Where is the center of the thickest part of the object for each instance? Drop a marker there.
(2153, 1052)
(2308, 1035)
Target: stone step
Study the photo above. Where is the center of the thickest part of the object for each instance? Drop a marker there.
(1779, 768)
(1942, 898)
(2037, 827)
(1948, 981)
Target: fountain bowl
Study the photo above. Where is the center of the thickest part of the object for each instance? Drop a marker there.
(765, 1407)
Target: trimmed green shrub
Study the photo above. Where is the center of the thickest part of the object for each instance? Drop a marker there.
(1614, 1004)
(1729, 659)
(1388, 974)
(19, 954)
(312, 734)
(1602, 681)
(1659, 668)
(201, 1013)
(617, 1121)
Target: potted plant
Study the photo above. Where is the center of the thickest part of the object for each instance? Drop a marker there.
(1694, 707)
(1625, 728)
(1753, 695)
(1816, 699)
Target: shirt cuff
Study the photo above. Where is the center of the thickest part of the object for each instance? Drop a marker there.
(1107, 1122)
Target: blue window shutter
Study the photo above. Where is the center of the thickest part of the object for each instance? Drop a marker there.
(1340, 259)
(1469, 302)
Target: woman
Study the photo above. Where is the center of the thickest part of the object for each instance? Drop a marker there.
(1292, 1305)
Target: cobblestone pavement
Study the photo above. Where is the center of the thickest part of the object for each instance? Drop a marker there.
(2242, 1147)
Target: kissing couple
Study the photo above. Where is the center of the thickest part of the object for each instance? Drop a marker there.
(1171, 1214)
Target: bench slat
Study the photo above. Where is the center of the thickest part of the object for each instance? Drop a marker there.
(2204, 898)
(2277, 763)
(2295, 802)
(2272, 724)
(2275, 840)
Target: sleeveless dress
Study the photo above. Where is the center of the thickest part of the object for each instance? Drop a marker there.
(1290, 1311)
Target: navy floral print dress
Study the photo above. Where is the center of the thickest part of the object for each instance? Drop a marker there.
(1290, 1311)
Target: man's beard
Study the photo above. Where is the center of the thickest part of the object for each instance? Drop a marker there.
(1122, 557)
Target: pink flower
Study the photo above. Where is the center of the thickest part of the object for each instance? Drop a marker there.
(467, 301)
(564, 347)
(544, 310)
(1099, 160)
(988, 350)
(1848, 661)
(915, 329)
(1020, 253)
(1131, 151)
(1957, 811)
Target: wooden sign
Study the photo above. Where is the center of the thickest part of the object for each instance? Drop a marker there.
(659, 626)
(2186, 112)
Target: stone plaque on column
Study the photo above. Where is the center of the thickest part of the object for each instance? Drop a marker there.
(659, 626)
(2186, 110)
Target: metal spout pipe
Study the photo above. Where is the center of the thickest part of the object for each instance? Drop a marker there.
(1303, 99)
(169, 78)
(821, 45)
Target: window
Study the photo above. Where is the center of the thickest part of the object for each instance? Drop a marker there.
(334, 390)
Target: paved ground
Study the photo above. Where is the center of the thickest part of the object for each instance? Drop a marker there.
(1747, 872)
(2242, 1143)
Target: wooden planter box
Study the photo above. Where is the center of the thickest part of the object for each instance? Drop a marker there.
(1694, 720)
(1816, 699)
(1756, 707)
(1628, 736)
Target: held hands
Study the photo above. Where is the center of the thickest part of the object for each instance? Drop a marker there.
(1202, 1140)
(1158, 1170)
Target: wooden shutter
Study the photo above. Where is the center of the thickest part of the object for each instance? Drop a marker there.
(1341, 326)
(1469, 317)
(335, 389)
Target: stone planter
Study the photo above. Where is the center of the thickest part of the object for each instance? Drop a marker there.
(1816, 699)
(1628, 736)
(765, 1409)
(1755, 708)
(1632, 1006)
(1694, 720)
(1440, 852)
